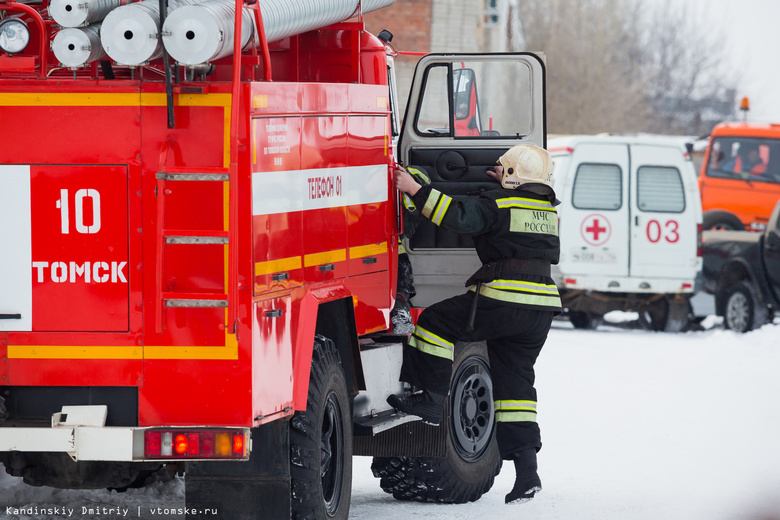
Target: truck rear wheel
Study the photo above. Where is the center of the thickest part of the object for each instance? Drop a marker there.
(744, 309)
(583, 320)
(722, 220)
(472, 461)
(321, 441)
(666, 315)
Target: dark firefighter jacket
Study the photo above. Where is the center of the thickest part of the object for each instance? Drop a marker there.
(506, 225)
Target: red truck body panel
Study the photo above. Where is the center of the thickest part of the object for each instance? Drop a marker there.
(100, 262)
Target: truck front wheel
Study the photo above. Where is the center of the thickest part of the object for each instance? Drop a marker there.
(472, 460)
(744, 309)
(321, 441)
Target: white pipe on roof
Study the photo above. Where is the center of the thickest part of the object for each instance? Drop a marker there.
(201, 33)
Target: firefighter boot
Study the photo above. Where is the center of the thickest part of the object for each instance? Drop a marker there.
(426, 405)
(527, 483)
(401, 317)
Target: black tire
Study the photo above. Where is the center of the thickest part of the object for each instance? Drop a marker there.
(321, 441)
(744, 310)
(583, 320)
(666, 315)
(472, 461)
(722, 220)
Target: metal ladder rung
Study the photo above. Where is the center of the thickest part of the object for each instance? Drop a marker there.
(177, 239)
(192, 176)
(206, 300)
(195, 236)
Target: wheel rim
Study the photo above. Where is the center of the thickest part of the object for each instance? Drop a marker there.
(332, 454)
(737, 312)
(472, 417)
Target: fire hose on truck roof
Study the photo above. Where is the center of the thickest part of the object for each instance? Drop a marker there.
(194, 32)
(200, 33)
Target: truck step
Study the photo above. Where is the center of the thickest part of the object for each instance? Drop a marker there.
(382, 421)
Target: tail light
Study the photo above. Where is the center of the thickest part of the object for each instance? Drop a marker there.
(195, 444)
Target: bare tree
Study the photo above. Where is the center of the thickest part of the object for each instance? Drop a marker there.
(689, 88)
(624, 65)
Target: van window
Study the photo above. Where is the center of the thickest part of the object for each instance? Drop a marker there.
(598, 186)
(746, 158)
(660, 188)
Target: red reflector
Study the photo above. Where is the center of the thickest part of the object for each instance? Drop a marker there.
(194, 443)
(153, 444)
(570, 281)
(180, 444)
(238, 443)
(687, 285)
(207, 444)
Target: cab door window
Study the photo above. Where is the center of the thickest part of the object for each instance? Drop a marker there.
(475, 100)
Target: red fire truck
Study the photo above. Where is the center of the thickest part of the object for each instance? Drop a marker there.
(198, 261)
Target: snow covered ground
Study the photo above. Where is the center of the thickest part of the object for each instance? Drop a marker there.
(636, 426)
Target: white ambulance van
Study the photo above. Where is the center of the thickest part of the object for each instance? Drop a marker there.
(630, 228)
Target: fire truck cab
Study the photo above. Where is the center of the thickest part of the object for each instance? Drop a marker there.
(199, 259)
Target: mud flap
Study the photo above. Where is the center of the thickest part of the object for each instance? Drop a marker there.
(258, 489)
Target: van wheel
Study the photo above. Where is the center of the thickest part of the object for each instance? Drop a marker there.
(666, 315)
(321, 441)
(744, 309)
(722, 220)
(472, 461)
(583, 320)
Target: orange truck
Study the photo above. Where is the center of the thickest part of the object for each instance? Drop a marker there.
(740, 177)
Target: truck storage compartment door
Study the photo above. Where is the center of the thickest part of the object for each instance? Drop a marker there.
(464, 112)
(665, 204)
(65, 263)
(594, 211)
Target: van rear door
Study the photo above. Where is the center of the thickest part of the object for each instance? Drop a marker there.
(594, 209)
(665, 210)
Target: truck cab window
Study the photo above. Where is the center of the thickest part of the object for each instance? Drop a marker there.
(476, 100)
(752, 159)
(434, 119)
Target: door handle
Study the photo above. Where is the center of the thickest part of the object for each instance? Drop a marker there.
(278, 277)
(370, 260)
(276, 313)
(327, 267)
(10, 316)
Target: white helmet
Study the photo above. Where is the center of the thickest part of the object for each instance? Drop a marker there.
(524, 163)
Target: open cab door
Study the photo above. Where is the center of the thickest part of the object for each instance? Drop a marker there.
(464, 112)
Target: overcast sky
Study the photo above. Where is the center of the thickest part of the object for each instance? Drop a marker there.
(752, 28)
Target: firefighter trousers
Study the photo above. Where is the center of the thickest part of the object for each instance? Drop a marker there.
(514, 337)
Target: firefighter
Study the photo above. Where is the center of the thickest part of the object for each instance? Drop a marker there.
(510, 304)
(401, 314)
